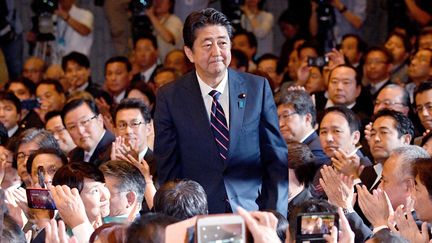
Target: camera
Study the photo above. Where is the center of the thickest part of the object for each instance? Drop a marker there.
(140, 22)
(222, 228)
(43, 22)
(313, 226)
(318, 61)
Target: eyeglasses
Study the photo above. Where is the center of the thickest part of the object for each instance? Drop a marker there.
(387, 102)
(24, 156)
(132, 124)
(57, 130)
(84, 123)
(287, 115)
(427, 106)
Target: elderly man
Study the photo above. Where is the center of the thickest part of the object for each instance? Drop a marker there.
(297, 120)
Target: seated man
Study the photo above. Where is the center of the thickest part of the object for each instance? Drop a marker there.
(86, 127)
(34, 69)
(118, 77)
(126, 185)
(54, 124)
(419, 71)
(390, 130)
(51, 97)
(181, 199)
(423, 104)
(10, 113)
(377, 69)
(297, 120)
(50, 160)
(339, 134)
(145, 58)
(393, 97)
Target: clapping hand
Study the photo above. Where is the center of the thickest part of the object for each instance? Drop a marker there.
(338, 187)
(376, 206)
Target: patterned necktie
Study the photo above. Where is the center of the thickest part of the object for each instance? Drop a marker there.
(219, 125)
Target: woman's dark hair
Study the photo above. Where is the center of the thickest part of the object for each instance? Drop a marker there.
(73, 175)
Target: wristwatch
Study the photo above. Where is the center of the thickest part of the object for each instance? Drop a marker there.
(348, 210)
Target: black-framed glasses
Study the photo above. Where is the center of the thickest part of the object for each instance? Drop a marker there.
(122, 125)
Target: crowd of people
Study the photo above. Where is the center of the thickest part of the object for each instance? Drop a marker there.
(331, 128)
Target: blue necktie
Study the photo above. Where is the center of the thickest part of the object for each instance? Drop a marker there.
(219, 125)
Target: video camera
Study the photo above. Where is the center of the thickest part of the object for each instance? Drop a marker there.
(140, 22)
(43, 21)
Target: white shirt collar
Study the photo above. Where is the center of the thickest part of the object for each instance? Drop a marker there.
(148, 73)
(82, 87)
(377, 86)
(307, 135)
(205, 88)
(12, 131)
(118, 98)
(89, 154)
(142, 154)
(331, 104)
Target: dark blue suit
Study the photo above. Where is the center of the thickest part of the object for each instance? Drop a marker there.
(314, 144)
(255, 174)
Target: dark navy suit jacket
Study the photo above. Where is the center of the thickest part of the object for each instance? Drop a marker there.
(255, 174)
(313, 142)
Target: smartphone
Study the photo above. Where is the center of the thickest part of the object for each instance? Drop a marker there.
(312, 226)
(318, 61)
(227, 228)
(41, 177)
(29, 104)
(40, 199)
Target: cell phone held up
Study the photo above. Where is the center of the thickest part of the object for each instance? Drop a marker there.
(312, 226)
(221, 228)
(318, 61)
(39, 198)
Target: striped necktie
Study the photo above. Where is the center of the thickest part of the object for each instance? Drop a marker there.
(219, 125)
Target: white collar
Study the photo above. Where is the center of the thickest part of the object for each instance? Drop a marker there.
(118, 98)
(307, 135)
(12, 131)
(205, 88)
(142, 154)
(90, 153)
(331, 104)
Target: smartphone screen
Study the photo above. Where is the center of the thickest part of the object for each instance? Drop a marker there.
(40, 199)
(221, 229)
(315, 225)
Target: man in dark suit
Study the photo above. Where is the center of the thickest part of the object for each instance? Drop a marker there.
(85, 125)
(132, 123)
(219, 127)
(377, 69)
(297, 120)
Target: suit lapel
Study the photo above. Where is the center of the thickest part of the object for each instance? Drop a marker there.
(193, 101)
(238, 98)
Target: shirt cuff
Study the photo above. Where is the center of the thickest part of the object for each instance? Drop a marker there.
(357, 181)
(376, 229)
(83, 231)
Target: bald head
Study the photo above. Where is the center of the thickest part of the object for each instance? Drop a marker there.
(34, 68)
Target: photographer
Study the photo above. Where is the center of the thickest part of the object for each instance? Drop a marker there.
(167, 27)
(331, 19)
(74, 29)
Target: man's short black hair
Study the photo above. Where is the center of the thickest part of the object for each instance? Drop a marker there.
(149, 228)
(361, 44)
(77, 57)
(134, 104)
(403, 124)
(202, 18)
(57, 85)
(383, 50)
(73, 175)
(120, 59)
(145, 36)
(242, 59)
(301, 101)
(51, 114)
(75, 103)
(310, 44)
(251, 38)
(129, 177)
(27, 83)
(423, 87)
(9, 96)
(143, 88)
(181, 199)
(52, 151)
(405, 40)
(348, 114)
(358, 75)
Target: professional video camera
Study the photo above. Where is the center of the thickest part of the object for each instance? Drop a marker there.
(326, 15)
(43, 21)
(140, 22)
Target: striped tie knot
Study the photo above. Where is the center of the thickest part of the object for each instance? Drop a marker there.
(215, 94)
